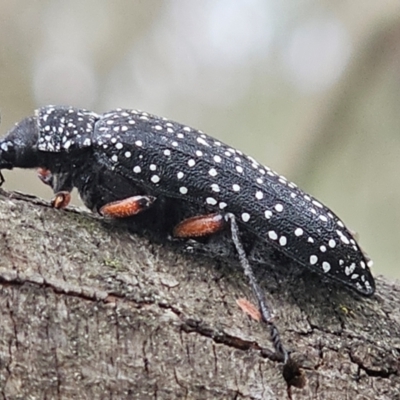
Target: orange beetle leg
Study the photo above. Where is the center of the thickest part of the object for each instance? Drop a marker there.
(201, 225)
(127, 207)
(61, 200)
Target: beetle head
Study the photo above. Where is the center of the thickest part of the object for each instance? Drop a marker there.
(18, 148)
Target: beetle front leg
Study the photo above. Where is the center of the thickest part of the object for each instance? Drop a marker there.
(127, 207)
(60, 183)
(45, 176)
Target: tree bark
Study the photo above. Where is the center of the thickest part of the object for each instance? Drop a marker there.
(93, 312)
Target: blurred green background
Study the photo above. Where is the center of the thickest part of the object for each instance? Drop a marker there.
(310, 88)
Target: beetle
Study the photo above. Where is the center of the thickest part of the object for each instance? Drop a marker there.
(129, 164)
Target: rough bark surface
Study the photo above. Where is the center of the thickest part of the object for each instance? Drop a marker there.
(92, 312)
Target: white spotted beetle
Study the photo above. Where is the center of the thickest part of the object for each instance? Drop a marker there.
(128, 163)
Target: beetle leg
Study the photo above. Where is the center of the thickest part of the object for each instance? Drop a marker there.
(201, 225)
(208, 224)
(61, 199)
(266, 314)
(45, 176)
(127, 207)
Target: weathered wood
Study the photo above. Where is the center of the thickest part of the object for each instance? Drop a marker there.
(92, 312)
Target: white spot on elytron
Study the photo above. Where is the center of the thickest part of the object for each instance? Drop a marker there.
(215, 187)
(313, 259)
(332, 243)
(114, 140)
(175, 144)
(191, 163)
(167, 152)
(170, 130)
(326, 266)
(183, 190)
(110, 122)
(317, 203)
(362, 264)
(155, 179)
(116, 128)
(199, 153)
(158, 127)
(268, 214)
(349, 270)
(217, 144)
(307, 197)
(237, 159)
(114, 158)
(323, 218)
(341, 262)
(222, 205)
(323, 249)
(354, 276)
(259, 195)
(272, 235)
(340, 223)
(153, 167)
(279, 207)
(187, 129)
(282, 240)
(343, 238)
(239, 169)
(180, 135)
(131, 122)
(137, 169)
(128, 154)
(211, 201)
(245, 217)
(217, 159)
(202, 141)
(212, 172)
(139, 143)
(124, 128)
(260, 181)
(235, 187)
(310, 240)
(313, 210)
(180, 175)
(227, 153)
(87, 142)
(298, 231)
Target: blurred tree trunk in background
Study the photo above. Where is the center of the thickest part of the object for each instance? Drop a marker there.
(90, 312)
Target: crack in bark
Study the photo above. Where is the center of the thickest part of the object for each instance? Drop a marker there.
(374, 373)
